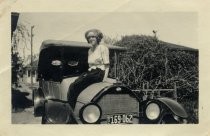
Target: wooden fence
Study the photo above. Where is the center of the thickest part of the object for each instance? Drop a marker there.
(154, 93)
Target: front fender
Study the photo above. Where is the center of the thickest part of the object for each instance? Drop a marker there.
(38, 101)
(58, 112)
(174, 106)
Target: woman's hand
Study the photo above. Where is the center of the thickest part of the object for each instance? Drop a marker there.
(99, 61)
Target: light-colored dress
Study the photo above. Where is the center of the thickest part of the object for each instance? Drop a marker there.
(98, 58)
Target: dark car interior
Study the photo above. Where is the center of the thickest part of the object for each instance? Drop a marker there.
(56, 63)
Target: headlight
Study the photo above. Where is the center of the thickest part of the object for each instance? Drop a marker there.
(152, 111)
(90, 113)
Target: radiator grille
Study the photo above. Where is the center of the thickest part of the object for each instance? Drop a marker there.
(118, 103)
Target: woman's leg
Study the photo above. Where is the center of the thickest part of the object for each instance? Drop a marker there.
(82, 82)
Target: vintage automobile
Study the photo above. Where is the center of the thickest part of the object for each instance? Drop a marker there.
(109, 102)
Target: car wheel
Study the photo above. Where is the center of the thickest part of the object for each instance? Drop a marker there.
(44, 120)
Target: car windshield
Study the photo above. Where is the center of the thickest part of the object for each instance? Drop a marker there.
(56, 63)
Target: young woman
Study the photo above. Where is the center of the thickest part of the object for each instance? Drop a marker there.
(98, 60)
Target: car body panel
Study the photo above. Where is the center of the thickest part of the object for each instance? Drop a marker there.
(51, 89)
(58, 112)
(88, 94)
(174, 106)
(118, 99)
(65, 86)
(91, 91)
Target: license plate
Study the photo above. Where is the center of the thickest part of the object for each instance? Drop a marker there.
(120, 119)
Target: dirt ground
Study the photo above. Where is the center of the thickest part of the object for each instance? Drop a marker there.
(25, 117)
(22, 107)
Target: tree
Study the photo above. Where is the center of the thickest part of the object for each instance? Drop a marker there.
(20, 36)
(108, 40)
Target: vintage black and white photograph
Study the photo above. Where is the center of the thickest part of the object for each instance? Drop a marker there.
(104, 68)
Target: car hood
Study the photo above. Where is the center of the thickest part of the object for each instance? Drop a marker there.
(66, 82)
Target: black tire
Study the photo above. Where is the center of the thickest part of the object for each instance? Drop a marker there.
(44, 120)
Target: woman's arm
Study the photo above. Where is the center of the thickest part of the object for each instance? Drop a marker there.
(106, 72)
(105, 58)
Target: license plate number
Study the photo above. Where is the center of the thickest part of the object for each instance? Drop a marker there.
(120, 119)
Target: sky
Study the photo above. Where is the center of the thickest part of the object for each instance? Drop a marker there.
(174, 27)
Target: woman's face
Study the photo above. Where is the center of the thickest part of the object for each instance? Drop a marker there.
(92, 39)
